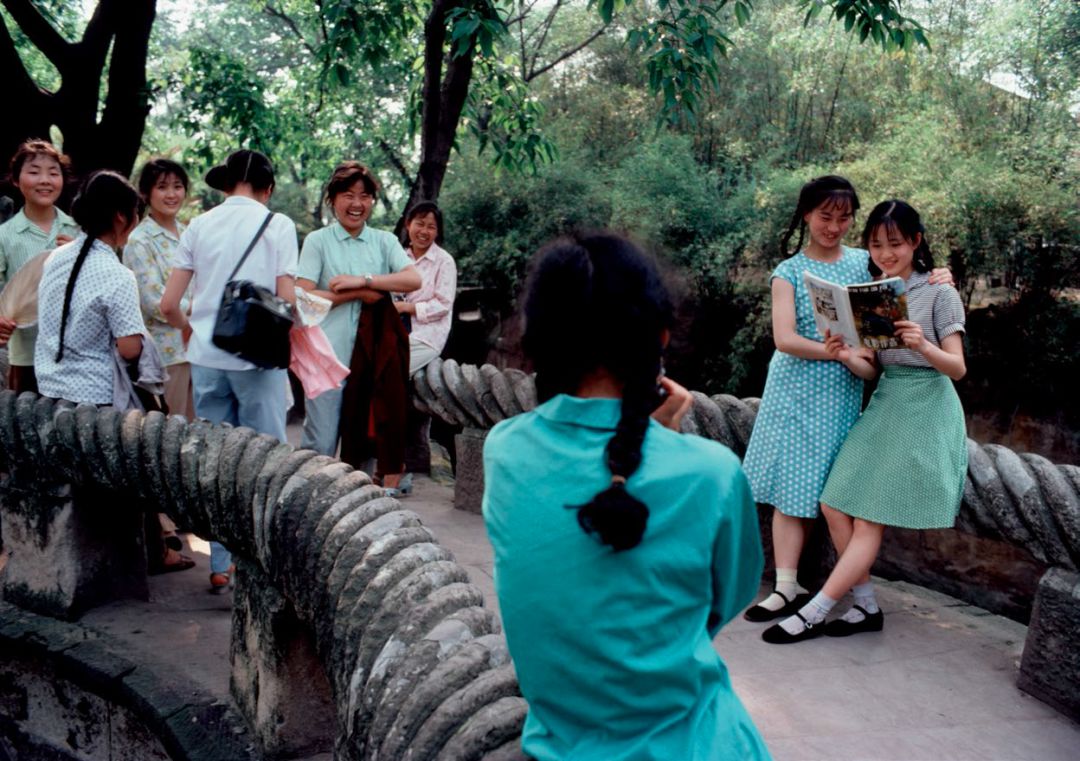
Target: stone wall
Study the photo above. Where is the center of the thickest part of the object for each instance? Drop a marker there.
(1020, 516)
(66, 694)
(336, 580)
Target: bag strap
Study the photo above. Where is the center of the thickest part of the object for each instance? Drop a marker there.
(239, 264)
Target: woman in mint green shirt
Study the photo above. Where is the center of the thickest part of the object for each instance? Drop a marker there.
(621, 547)
(350, 263)
(39, 171)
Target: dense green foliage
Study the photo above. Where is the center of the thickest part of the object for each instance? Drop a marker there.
(688, 124)
(995, 172)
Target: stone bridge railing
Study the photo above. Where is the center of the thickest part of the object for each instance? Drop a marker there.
(1022, 499)
(350, 620)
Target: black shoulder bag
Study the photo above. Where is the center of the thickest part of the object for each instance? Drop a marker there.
(253, 322)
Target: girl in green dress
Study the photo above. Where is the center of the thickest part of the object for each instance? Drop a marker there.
(904, 461)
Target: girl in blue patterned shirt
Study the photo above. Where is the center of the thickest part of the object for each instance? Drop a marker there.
(904, 462)
(811, 398)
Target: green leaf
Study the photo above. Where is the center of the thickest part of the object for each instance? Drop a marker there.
(742, 14)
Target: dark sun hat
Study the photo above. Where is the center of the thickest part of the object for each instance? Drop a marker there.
(242, 166)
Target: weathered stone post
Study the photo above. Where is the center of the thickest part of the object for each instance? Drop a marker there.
(72, 546)
(277, 679)
(469, 473)
(1050, 668)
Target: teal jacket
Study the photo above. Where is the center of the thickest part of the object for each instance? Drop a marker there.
(613, 650)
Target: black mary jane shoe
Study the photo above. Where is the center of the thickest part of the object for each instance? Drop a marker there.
(872, 622)
(778, 635)
(758, 614)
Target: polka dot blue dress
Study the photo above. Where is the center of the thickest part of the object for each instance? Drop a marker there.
(808, 406)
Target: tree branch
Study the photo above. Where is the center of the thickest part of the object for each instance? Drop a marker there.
(564, 55)
(39, 31)
(395, 161)
(286, 19)
(127, 104)
(545, 27)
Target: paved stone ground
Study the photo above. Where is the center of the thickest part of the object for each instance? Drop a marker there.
(938, 683)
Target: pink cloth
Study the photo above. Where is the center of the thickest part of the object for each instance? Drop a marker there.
(435, 298)
(313, 361)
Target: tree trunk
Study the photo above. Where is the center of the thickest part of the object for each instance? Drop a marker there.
(113, 141)
(444, 98)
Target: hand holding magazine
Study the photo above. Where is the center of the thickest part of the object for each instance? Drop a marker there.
(863, 314)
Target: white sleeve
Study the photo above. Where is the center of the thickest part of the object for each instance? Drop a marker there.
(285, 244)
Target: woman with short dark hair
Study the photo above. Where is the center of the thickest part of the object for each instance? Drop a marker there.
(351, 264)
(228, 389)
(430, 309)
(163, 186)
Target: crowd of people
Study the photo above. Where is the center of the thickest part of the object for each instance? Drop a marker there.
(621, 546)
(129, 295)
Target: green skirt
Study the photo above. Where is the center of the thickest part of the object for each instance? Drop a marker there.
(905, 459)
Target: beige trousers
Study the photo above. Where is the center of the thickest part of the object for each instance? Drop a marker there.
(178, 391)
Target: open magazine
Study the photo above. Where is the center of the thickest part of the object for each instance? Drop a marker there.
(863, 314)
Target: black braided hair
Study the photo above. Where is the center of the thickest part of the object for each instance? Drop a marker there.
(900, 216)
(104, 195)
(597, 301)
(830, 189)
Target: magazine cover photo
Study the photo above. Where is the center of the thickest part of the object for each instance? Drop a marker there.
(875, 307)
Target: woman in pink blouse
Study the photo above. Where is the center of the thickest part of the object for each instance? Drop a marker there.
(431, 308)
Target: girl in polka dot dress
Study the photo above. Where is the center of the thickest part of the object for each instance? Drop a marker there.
(904, 461)
(811, 398)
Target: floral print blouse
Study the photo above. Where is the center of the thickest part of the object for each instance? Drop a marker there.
(148, 253)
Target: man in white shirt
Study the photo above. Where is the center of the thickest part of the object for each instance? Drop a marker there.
(228, 389)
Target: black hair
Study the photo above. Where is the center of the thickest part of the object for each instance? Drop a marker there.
(899, 216)
(829, 189)
(31, 149)
(419, 209)
(345, 175)
(595, 300)
(104, 195)
(247, 166)
(154, 169)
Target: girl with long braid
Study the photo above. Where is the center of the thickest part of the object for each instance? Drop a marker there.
(621, 547)
(89, 299)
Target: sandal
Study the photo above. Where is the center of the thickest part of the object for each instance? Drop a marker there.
(220, 583)
(171, 562)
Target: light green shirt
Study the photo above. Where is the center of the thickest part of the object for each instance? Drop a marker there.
(149, 252)
(613, 650)
(331, 251)
(20, 241)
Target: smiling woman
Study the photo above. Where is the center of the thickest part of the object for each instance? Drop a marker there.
(38, 170)
(351, 264)
(163, 186)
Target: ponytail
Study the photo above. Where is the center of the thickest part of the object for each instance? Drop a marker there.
(84, 250)
(105, 195)
(616, 516)
(621, 309)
